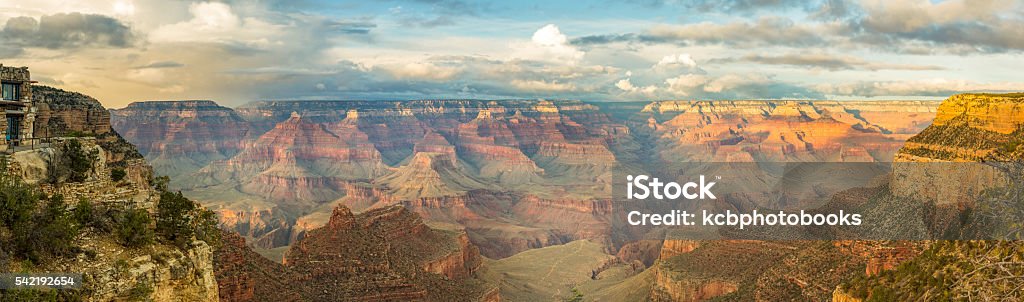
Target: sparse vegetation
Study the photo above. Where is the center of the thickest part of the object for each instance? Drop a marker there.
(117, 174)
(140, 292)
(36, 233)
(84, 213)
(576, 296)
(950, 270)
(181, 220)
(72, 163)
(52, 234)
(133, 228)
(80, 134)
(40, 295)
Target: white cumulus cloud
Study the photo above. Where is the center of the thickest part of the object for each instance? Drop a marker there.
(683, 59)
(549, 44)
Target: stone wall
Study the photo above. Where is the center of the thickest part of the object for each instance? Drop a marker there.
(133, 190)
(21, 76)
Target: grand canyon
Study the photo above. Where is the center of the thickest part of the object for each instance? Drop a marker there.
(515, 175)
(514, 200)
(483, 150)
(527, 183)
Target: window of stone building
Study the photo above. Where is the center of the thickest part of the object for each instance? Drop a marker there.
(10, 91)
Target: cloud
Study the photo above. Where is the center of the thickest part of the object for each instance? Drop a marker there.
(686, 84)
(734, 6)
(682, 59)
(350, 27)
(646, 91)
(915, 27)
(727, 6)
(954, 26)
(215, 22)
(238, 51)
(66, 31)
(754, 86)
(549, 44)
(542, 86)
(924, 87)
(676, 64)
(437, 12)
(727, 86)
(421, 71)
(909, 16)
(160, 64)
(832, 10)
(827, 61)
(765, 31)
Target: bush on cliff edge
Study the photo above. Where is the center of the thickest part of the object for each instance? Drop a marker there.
(72, 163)
(180, 220)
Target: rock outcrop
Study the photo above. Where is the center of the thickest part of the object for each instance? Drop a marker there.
(178, 138)
(384, 254)
(943, 163)
(780, 131)
(112, 271)
(61, 113)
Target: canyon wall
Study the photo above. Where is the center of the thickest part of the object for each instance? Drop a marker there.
(956, 159)
(508, 172)
(180, 137)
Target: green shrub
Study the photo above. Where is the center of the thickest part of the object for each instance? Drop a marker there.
(73, 163)
(84, 213)
(17, 199)
(181, 220)
(117, 174)
(133, 229)
(140, 292)
(50, 233)
(29, 295)
(576, 296)
(80, 134)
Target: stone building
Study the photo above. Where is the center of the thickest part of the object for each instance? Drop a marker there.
(16, 105)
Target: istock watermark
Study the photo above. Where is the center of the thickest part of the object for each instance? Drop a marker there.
(818, 201)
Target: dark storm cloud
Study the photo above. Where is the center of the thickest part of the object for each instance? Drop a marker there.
(68, 31)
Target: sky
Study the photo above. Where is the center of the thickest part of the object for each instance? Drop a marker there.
(234, 52)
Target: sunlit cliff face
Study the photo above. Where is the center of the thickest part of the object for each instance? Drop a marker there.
(130, 50)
